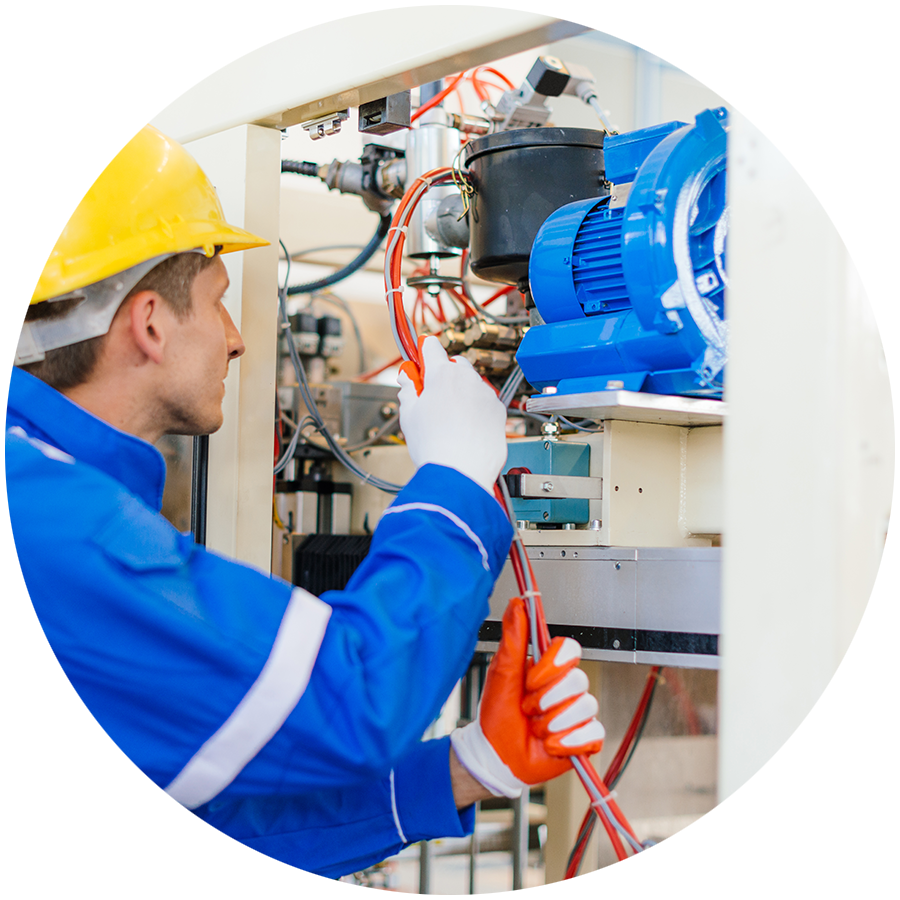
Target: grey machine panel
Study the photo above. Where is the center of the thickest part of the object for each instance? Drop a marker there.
(639, 605)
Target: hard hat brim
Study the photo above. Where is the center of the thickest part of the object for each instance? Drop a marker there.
(60, 276)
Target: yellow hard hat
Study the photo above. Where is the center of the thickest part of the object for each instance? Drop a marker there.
(152, 200)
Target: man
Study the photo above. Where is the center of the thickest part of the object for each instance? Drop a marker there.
(288, 721)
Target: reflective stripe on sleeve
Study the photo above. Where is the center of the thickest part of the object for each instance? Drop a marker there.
(395, 812)
(263, 709)
(431, 507)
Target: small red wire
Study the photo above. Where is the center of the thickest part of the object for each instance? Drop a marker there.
(437, 97)
(510, 86)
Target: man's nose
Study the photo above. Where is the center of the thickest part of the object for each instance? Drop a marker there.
(232, 336)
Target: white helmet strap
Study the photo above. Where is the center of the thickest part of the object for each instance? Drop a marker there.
(90, 318)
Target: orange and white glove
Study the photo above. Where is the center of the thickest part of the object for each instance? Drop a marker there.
(532, 717)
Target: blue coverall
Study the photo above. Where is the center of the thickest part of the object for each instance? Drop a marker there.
(290, 722)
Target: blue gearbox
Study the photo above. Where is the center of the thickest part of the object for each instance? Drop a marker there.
(633, 291)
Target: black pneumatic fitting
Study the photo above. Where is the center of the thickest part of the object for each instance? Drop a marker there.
(300, 168)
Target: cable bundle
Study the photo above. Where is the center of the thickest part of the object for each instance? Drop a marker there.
(602, 802)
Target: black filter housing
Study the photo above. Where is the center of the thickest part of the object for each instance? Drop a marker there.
(520, 177)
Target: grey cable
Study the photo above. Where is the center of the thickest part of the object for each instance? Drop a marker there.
(511, 386)
(288, 454)
(367, 478)
(570, 424)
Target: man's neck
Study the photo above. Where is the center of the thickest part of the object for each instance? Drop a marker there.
(120, 406)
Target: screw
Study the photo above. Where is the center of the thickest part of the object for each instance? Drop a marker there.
(547, 487)
(546, 515)
(616, 645)
(618, 566)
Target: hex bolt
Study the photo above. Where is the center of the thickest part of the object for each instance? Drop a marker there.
(547, 487)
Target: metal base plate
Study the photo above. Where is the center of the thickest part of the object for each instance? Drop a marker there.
(632, 406)
(637, 605)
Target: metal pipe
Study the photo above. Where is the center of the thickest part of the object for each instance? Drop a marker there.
(219, 19)
(199, 484)
(520, 838)
(429, 90)
(424, 867)
(473, 850)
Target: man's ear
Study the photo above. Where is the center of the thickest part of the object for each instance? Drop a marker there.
(148, 324)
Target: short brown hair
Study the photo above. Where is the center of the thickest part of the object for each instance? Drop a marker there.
(67, 367)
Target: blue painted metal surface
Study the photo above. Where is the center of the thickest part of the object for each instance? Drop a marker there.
(544, 457)
(633, 296)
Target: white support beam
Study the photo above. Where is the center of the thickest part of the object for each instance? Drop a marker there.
(244, 165)
(351, 61)
(808, 456)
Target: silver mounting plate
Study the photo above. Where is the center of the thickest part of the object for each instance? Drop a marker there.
(632, 406)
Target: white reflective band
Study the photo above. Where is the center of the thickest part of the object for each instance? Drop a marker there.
(264, 708)
(394, 811)
(431, 507)
(48, 450)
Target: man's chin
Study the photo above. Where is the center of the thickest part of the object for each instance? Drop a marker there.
(196, 429)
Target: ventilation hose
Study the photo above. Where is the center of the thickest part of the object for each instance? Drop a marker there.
(367, 252)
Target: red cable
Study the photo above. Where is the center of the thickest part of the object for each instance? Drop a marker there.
(437, 97)
(368, 376)
(625, 746)
(480, 92)
(510, 86)
(615, 766)
(408, 342)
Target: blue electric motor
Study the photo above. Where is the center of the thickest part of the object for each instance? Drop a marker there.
(632, 293)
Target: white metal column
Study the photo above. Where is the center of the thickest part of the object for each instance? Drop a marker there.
(808, 456)
(244, 164)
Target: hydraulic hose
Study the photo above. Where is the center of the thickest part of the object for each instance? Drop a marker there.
(311, 170)
(300, 168)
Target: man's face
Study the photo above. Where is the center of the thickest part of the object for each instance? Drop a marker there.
(201, 348)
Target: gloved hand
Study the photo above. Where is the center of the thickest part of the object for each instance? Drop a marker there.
(457, 421)
(532, 718)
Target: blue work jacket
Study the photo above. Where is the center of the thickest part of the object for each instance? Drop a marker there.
(290, 722)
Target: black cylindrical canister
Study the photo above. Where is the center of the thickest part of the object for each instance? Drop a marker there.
(520, 177)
